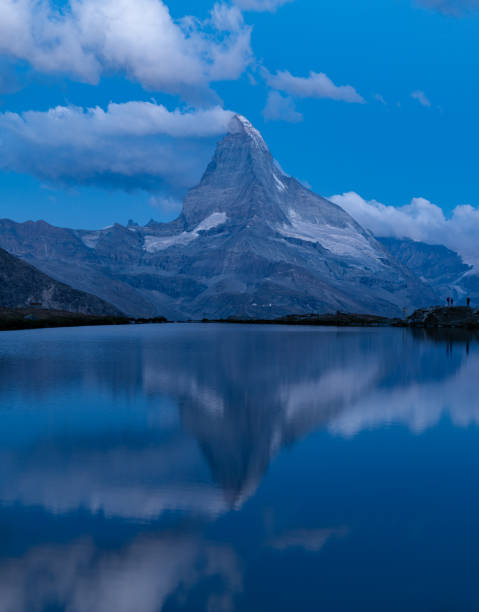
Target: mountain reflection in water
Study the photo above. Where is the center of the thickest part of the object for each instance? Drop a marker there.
(185, 466)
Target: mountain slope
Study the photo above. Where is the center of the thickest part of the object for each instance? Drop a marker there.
(63, 255)
(437, 265)
(250, 242)
(22, 285)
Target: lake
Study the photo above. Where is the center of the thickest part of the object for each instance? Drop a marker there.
(238, 468)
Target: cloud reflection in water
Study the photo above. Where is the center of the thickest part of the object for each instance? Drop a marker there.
(149, 422)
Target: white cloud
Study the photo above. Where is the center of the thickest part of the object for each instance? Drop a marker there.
(168, 205)
(281, 108)
(317, 85)
(261, 5)
(420, 220)
(451, 7)
(90, 37)
(132, 145)
(380, 98)
(226, 18)
(421, 97)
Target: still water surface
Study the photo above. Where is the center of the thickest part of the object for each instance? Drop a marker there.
(245, 468)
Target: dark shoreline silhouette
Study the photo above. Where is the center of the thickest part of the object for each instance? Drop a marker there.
(438, 317)
(35, 318)
(461, 317)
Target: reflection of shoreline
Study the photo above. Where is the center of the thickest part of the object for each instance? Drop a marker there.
(446, 335)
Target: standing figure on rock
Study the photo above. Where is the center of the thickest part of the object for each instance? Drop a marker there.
(468, 302)
(448, 300)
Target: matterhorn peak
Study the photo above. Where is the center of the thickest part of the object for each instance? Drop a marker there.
(250, 242)
(240, 125)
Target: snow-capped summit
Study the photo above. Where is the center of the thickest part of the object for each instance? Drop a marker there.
(241, 125)
(250, 242)
(242, 162)
(245, 182)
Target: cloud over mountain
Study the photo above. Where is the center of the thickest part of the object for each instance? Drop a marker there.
(88, 38)
(132, 145)
(316, 85)
(420, 220)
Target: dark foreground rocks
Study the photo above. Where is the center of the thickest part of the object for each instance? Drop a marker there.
(447, 316)
(30, 318)
(34, 318)
(438, 317)
(339, 319)
(431, 318)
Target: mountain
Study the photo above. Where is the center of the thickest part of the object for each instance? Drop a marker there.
(437, 265)
(250, 242)
(22, 285)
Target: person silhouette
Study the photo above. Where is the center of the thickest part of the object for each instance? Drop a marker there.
(448, 300)
(452, 301)
(468, 302)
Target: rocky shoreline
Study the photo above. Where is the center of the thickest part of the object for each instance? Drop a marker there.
(339, 319)
(12, 319)
(437, 317)
(434, 317)
(30, 318)
(445, 317)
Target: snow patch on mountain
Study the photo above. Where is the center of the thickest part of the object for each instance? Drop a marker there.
(279, 183)
(91, 240)
(214, 220)
(342, 241)
(154, 244)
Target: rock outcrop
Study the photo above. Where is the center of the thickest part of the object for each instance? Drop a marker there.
(448, 316)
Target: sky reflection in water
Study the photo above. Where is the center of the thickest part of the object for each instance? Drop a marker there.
(228, 468)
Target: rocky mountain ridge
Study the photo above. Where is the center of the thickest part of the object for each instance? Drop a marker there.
(440, 267)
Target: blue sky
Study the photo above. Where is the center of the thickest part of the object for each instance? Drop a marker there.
(405, 127)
